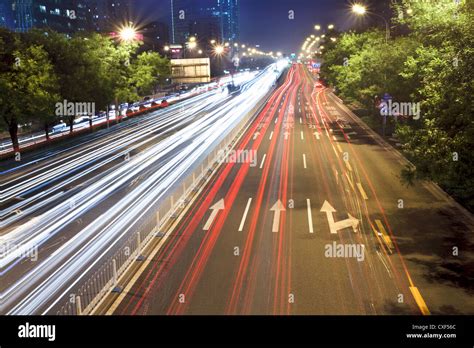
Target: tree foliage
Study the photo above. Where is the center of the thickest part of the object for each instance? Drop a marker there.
(53, 68)
(431, 65)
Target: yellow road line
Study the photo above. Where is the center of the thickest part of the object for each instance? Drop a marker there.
(348, 165)
(419, 300)
(362, 191)
(350, 181)
(386, 237)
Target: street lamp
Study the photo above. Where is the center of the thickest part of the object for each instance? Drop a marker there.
(317, 27)
(128, 34)
(167, 48)
(219, 50)
(361, 10)
(331, 26)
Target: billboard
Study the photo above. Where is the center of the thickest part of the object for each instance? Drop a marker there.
(192, 70)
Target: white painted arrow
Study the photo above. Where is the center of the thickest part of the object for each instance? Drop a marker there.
(277, 208)
(215, 209)
(256, 135)
(336, 226)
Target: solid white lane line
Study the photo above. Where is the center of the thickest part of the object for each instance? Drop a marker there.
(242, 222)
(310, 216)
(304, 161)
(263, 161)
(302, 135)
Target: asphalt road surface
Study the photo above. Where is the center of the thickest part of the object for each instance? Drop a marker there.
(309, 216)
(66, 208)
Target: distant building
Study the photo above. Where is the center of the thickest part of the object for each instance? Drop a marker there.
(228, 13)
(191, 71)
(115, 13)
(22, 14)
(65, 16)
(155, 35)
(205, 19)
(6, 19)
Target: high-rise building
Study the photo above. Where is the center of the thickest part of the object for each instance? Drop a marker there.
(22, 13)
(228, 13)
(66, 16)
(6, 19)
(115, 13)
(155, 35)
(206, 19)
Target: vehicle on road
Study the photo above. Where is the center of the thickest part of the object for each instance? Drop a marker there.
(59, 128)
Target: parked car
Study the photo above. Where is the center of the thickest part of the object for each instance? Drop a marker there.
(59, 128)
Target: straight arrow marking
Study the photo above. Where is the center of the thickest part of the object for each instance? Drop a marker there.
(277, 208)
(215, 210)
(336, 226)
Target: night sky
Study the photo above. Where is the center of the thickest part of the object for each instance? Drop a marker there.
(265, 22)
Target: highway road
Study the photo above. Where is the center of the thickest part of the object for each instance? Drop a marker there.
(308, 216)
(67, 208)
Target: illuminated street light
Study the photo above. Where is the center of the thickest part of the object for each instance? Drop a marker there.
(192, 45)
(167, 48)
(128, 34)
(219, 50)
(359, 9)
(200, 51)
(331, 26)
(317, 27)
(279, 54)
(213, 42)
(192, 39)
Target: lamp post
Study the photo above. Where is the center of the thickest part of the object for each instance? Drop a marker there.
(361, 10)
